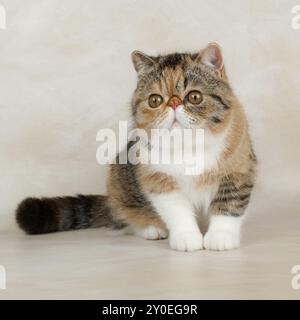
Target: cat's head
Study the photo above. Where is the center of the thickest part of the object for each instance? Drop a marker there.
(181, 90)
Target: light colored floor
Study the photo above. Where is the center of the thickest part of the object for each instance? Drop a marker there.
(98, 264)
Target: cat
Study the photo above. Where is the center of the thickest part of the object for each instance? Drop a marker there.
(160, 201)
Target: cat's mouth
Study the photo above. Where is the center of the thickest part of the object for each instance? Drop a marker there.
(175, 120)
(180, 120)
(176, 124)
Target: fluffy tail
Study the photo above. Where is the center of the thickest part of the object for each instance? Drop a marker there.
(46, 215)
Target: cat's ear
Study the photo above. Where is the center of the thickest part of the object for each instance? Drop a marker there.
(141, 61)
(212, 57)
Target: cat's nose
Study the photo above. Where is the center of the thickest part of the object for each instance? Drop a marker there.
(174, 102)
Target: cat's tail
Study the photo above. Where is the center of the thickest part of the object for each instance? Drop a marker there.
(46, 215)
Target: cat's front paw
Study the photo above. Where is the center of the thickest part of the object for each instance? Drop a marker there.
(151, 233)
(186, 241)
(220, 240)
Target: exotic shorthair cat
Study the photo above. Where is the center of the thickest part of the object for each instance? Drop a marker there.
(179, 90)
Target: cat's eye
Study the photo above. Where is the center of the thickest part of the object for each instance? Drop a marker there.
(155, 100)
(195, 97)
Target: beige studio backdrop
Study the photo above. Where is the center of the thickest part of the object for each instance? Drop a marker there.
(65, 73)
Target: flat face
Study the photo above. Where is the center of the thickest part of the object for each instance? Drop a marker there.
(202, 99)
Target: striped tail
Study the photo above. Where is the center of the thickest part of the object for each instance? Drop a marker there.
(47, 215)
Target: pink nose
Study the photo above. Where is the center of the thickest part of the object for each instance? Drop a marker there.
(174, 102)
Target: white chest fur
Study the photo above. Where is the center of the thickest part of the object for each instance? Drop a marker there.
(211, 150)
(199, 195)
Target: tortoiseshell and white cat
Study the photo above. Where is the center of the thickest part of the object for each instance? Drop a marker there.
(160, 201)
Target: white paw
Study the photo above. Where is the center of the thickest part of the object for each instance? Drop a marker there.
(220, 240)
(152, 233)
(186, 241)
